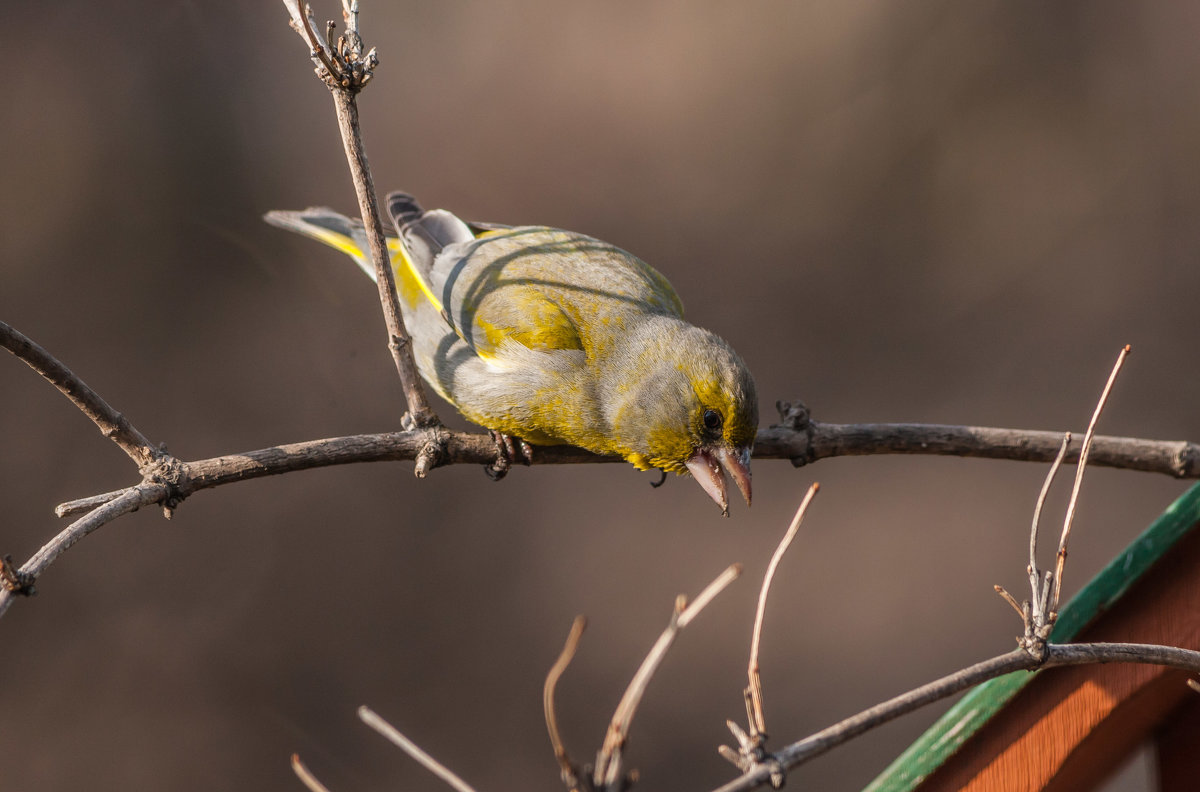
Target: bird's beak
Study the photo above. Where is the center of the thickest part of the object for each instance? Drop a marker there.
(709, 466)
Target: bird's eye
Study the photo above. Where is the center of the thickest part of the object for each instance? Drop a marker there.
(712, 420)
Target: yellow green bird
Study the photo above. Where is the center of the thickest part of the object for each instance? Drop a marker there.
(555, 337)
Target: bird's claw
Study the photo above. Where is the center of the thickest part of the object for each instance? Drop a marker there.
(509, 450)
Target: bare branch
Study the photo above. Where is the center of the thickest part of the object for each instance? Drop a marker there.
(367, 716)
(817, 440)
(1017, 660)
(758, 721)
(113, 425)
(307, 778)
(608, 763)
(556, 671)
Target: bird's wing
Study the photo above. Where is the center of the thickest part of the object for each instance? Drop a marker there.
(544, 289)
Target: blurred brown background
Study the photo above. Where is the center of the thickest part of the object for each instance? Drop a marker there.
(918, 211)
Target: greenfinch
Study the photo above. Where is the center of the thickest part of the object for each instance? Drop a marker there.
(555, 337)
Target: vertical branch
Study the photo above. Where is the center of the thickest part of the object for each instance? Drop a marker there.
(399, 341)
(345, 69)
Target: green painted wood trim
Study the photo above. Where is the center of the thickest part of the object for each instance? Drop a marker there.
(975, 708)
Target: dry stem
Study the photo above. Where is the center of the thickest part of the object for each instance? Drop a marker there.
(567, 769)
(1083, 456)
(367, 716)
(306, 777)
(758, 720)
(607, 774)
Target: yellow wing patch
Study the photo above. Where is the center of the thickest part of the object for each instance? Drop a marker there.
(523, 314)
(409, 283)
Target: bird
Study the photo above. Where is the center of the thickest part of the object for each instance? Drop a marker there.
(555, 337)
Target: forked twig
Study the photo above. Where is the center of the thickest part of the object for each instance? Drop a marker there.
(751, 751)
(1040, 611)
(608, 775)
(131, 500)
(368, 716)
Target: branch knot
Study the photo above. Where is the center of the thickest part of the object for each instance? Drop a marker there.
(796, 417)
(171, 473)
(434, 452)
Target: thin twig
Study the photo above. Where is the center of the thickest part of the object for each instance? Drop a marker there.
(306, 777)
(1083, 457)
(552, 677)
(367, 716)
(608, 762)
(1034, 573)
(758, 721)
(113, 425)
(1017, 660)
(132, 499)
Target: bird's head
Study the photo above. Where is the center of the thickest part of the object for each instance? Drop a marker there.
(691, 408)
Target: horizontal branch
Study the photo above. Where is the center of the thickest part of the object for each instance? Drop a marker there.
(818, 441)
(1017, 660)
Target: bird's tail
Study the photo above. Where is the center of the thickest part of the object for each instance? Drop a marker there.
(348, 235)
(425, 233)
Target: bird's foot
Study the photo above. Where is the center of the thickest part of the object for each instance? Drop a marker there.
(509, 451)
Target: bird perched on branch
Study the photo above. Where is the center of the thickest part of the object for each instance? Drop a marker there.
(555, 337)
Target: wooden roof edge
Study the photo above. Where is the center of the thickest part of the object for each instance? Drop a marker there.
(966, 717)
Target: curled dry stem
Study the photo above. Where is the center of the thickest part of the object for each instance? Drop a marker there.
(570, 776)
